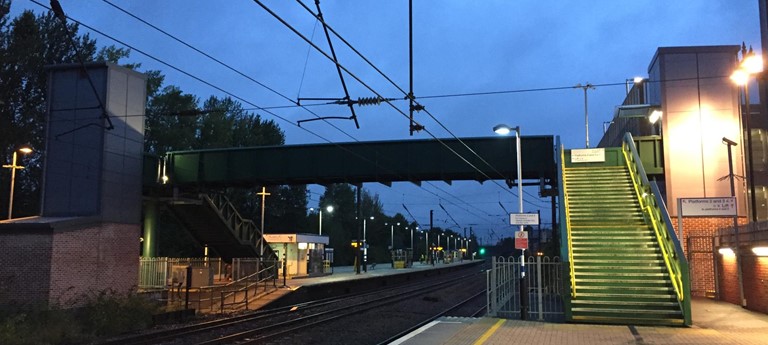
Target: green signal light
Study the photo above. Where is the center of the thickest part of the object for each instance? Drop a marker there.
(482, 251)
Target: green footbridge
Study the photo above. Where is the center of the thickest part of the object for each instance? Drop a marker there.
(625, 264)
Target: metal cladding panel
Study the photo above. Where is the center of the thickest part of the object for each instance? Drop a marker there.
(90, 169)
(73, 156)
(389, 161)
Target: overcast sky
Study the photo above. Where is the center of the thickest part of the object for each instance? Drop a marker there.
(459, 47)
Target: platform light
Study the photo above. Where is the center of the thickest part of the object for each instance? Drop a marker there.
(760, 251)
(726, 251)
(655, 116)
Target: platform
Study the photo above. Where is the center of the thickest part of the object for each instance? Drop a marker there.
(713, 323)
(346, 274)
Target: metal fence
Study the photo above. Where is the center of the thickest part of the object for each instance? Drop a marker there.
(234, 295)
(542, 289)
(158, 272)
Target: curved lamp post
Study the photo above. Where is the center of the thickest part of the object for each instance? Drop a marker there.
(14, 167)
(503, 130)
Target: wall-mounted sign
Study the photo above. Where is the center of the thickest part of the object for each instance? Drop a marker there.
(708, 207)
(587, 155)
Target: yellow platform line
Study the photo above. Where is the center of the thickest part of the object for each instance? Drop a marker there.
(483, 338)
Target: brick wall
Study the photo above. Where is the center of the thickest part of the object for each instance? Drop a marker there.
(696, 241)
(728, 278)
(25, 266)
(93, 259)
(755, 274)
(61, 265)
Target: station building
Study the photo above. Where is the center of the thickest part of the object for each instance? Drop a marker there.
(701, 116)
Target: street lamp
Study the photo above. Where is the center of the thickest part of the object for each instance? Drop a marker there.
(586, 113)
(365, 247)
(13, 168)
(750, 64)
(329, 209)
(523, 286)
(730, 144)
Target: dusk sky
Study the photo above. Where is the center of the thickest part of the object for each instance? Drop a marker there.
(459, 47)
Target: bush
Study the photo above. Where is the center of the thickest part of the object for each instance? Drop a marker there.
(102, 315)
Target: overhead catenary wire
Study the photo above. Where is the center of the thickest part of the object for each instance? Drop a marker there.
(461, 157)
(220, 63)
(202, 81)
(319, 18)
(408, 95)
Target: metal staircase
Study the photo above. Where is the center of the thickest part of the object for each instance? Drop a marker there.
(619, 272)
(215, 222)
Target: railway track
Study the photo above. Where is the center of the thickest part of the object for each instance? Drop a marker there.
(333, 316)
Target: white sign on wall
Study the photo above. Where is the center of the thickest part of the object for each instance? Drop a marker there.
(523, 218)
(708, 207)
(587, 155)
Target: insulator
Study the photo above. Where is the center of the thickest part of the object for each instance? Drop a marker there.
(369, 101)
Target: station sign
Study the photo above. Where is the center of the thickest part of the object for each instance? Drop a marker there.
(708, 207)
(521, 240)
(587, 155)
(523, 218)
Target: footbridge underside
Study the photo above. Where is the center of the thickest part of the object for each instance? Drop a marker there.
(478, 159)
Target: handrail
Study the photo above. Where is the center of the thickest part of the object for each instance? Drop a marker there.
(655, 210)
(567, 221)
(244, 229)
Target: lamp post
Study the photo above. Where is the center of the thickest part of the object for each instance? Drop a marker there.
(730, 144)
(13, 168)
(503, 130)
(329, 209)
(586, 113)
(365, 248)
(264, 195)
(750, 64)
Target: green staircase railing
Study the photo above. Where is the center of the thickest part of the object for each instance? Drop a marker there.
(655, 210)
(244, 229)
(567, 217)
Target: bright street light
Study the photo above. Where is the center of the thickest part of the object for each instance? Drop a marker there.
(751, 64)
(520, 198)
(13, 168)
(329, 209)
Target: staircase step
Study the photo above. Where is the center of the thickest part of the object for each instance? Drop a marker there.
(629, 320)
(629, 290)
(637, 312)
(634, 262)
(623, 297)
(649, 304)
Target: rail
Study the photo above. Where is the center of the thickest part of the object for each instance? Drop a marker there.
(212, 298)
(241, 287)
(655, 210)
(564, 197)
